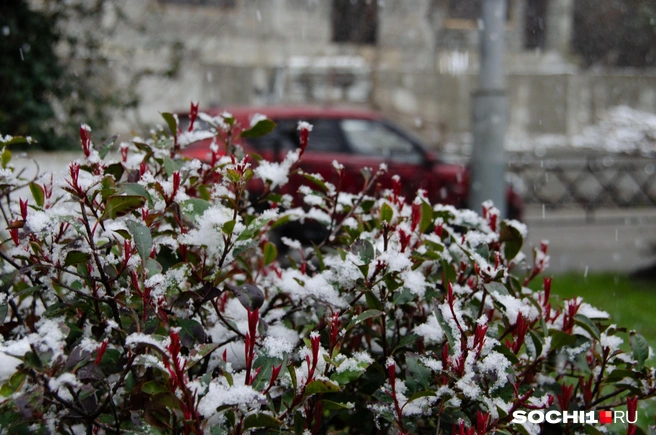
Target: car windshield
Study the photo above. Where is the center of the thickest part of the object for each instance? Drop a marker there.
(373, 138)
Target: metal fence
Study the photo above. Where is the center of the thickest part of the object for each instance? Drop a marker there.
(590, 182)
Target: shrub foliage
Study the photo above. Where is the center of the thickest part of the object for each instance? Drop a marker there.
(147, 295)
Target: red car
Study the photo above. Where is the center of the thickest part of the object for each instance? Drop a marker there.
(356, 139)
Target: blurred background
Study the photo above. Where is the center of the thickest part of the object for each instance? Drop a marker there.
(581, 85)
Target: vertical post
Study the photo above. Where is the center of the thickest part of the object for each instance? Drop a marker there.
(490, 112)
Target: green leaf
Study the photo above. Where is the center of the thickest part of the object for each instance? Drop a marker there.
(369, 314)
(262, 127)
(4, 309)
(106, 146)
(154, 387)
(330, 405)
(249, 295)
(201, 352)
(261, 420)
(587, 324)
(37, 193)
(153, 267)
(5, 157)
(364, 250)
(316, 180)
(445, 327)
(426, 216)
(142, 239)
(76, 257)
(13, 384)
(418, 376)
(135, 189)
(321, 386)
(386, 213)
(170, 166)
(640, 348)
(171, 122)
(406, 340)
(191, 332)
(560, 339)
(270, 253)
(253, 228)
(537, 343)
(512, 239)
(120, 205)
(497, 287)
(373, 302)
(505, 351)
(195, 208)
(420, 394)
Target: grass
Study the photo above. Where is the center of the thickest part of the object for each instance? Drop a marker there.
(631, 304)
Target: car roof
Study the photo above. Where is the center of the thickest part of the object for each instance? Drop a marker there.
(244, 113)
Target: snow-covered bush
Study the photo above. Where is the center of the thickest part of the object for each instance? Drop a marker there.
(144, 296)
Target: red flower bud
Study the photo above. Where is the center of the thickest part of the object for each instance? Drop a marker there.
(304, 129)
(193, 113)
(23, 208)
(101, 351)
(85, 138)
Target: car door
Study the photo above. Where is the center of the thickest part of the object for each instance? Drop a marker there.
(373, 142)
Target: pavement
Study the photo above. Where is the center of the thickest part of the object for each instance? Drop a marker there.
(617, 240)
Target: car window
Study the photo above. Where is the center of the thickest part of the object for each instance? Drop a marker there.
(373, 138)
(325, 136)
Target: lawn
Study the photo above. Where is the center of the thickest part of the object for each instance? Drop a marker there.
(631, 304)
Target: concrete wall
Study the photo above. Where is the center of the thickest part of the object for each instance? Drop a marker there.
(421, 72)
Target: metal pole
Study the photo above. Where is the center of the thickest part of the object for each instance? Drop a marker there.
(490, 112)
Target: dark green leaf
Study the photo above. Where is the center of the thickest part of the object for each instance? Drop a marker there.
(171, 122)
(154, 387)
(37, 193)
(120, 205)
(76, 257)
(512, 239)
(386, 213)
(406, 340)
(364, 250)
(142, 239)
(191, 332)
(261, 420)
(106, 146)
(262, 127)
(4, 309)
(136, 190)
(330, 405)
(369, 314)
(640, 348)
(420, 394)
(201, 352)
(426, 216)
(505, 351)
(195, 208)
(373, 302)
(587, 324)
(560, 339)
(497, 287)
(419, 376)
(249, 295)
(270, 253)
(321, 386)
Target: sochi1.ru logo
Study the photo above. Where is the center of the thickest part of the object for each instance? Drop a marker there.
(577, 417)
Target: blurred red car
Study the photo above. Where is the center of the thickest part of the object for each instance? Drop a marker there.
(356, 139)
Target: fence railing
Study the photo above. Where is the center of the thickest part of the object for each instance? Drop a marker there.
(590, 182)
